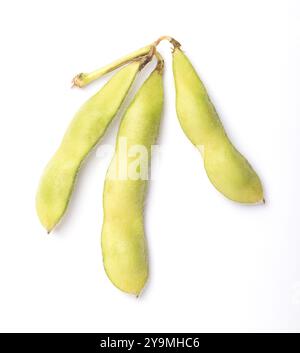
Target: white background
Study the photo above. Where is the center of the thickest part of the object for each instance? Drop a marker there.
(215, 265)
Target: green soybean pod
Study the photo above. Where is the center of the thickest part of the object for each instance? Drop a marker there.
(226, 167)
(123, 241)
(85, 130)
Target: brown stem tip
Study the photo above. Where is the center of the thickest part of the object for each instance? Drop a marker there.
(77, 81)
(144, 60)
(160, 62)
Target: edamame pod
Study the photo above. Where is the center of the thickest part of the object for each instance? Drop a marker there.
(123, 240)
(85, 130)
(226, 168)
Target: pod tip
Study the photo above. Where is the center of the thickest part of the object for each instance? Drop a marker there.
(49, 230)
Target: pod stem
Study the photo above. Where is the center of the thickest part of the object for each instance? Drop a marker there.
(144, 55)
(172, 40)
(84, 79)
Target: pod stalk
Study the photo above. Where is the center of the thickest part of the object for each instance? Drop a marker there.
(83, 79)
(172, 40)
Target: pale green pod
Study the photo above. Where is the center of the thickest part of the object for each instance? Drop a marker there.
(85, 130)
(123, 239)
(226, 168)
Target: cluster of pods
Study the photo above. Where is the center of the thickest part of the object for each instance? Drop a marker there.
(123, 240)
